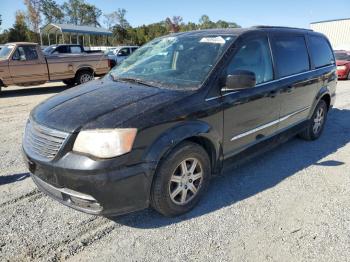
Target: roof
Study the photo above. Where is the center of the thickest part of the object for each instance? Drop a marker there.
(21, 43)
(77, 29)
(239, 31)
(332, 20)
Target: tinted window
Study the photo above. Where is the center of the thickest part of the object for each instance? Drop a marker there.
(254, 56)
(124, 52)
(291, 55)
(62, 50)
(321, 52)
(133, 49)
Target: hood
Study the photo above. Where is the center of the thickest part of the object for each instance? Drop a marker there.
(342, 62)
(87, 104)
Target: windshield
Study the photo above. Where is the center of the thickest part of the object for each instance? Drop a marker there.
(49, 49)
(180, 62)
(5, 51)
(342, 56)
(109, 52)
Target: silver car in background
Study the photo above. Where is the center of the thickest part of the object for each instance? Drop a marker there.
(118, 54)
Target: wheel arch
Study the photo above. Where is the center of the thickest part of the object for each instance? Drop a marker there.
(323, 94)
(196, 132)
(85, 68)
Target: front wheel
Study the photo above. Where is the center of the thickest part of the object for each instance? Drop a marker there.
(316, 124)
(181, 179)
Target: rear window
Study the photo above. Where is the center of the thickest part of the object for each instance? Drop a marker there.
(291, 55)
(321, 51)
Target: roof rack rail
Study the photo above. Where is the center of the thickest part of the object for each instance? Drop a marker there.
(279, 27)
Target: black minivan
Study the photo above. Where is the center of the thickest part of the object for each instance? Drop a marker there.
(176, 112)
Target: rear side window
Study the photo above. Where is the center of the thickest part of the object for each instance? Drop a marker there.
(291, 55)
(321, 51)
(75, 49)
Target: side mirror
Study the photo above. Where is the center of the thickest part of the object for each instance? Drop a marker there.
(240, 79)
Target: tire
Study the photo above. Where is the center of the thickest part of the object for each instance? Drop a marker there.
(348, 78)
(170, 178)
(69, 82)
(84, 77)
(316, 123)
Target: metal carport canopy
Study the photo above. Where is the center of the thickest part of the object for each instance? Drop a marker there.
(75, 29)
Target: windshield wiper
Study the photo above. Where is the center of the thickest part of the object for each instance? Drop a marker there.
(133, 80)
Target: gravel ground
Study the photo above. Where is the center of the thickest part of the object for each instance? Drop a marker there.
(291, 204)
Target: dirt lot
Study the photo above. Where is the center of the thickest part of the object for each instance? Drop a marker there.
(291, 204)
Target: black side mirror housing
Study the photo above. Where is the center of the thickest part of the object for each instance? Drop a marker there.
(240, 79)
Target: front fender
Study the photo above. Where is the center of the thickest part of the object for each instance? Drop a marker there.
(196, 130)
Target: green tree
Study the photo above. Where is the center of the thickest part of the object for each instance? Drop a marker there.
(52, 12)
(78, 12)
(206, 23)
(19, 31)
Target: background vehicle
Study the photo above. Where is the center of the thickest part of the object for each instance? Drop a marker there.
(176, 112)
(67, 49)
(343, 64)
(118, 54)
(24, 64)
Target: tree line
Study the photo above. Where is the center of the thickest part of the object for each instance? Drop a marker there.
(79, 12)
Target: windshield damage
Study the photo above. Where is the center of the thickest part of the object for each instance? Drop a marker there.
(175, 62)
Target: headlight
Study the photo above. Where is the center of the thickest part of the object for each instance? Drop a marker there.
(105, 143)
(341, 67)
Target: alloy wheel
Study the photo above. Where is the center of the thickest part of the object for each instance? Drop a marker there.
(186, 181)
(318, 120)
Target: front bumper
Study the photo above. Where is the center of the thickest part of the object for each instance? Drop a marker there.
(108, 187)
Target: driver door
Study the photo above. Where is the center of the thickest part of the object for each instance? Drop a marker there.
(26, 66)
(252, 114)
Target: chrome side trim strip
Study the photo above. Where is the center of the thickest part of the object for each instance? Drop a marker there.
(271, 82)
(275, 122)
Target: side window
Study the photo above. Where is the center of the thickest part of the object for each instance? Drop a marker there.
(61, 50)
(75, 49)
(291, 55)
(134, 49)
(30, 53)
(321, 51)
(254, 56)
(19, 54)
(124, 52)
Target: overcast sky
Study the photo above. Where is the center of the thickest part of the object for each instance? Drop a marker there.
(296, 13)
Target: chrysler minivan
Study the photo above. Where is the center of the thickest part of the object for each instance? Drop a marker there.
(175, 113)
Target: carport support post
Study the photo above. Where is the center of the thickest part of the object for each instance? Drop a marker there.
(56, 38)
(48, 36)
(70, 38)
(41, 38)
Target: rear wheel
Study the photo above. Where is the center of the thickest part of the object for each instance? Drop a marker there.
(349, 76)
(84, 76)
(316, 123)
(181, 179)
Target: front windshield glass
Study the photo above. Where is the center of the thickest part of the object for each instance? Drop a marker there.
(342, 56)
(109, 52)
(5, 51)
(49, 49)
(180, 62)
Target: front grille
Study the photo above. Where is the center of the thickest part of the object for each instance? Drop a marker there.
(44, 143)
